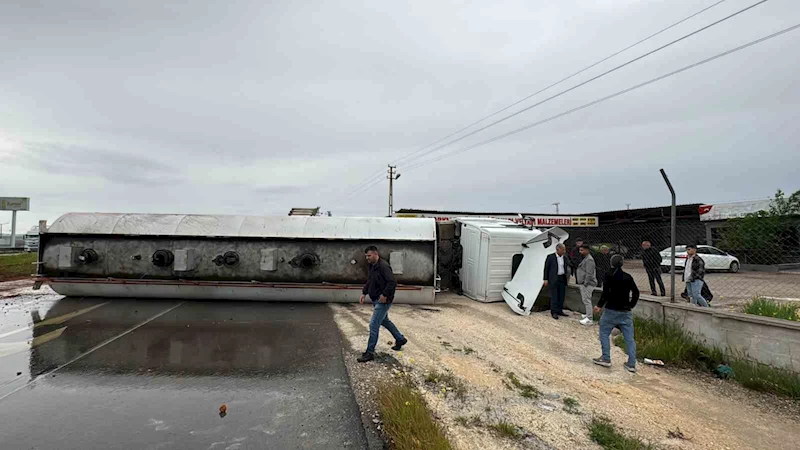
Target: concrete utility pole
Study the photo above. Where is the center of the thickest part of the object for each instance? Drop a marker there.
(392, 176)
(556, 205)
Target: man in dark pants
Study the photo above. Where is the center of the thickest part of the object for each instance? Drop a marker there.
(575, 257)
(556, 274)
(603, 263)
(380, 287)
(652, 264)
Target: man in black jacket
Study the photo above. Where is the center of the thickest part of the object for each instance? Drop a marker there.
(693, 273)
(575, 256)
(380, 287)
(620, 295)
(603, 262)
(556, 274)
(651, 258)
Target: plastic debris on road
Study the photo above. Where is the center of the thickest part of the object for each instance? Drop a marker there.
(654, 362)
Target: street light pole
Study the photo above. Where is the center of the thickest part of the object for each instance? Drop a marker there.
(673, 232)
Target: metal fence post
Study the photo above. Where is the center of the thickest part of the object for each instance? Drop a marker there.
(673, 232)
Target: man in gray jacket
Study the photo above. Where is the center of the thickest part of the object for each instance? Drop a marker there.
(586, 277)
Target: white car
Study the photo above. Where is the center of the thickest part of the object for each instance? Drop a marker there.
(714, 258)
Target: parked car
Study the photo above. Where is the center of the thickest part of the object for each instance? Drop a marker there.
(714, 258)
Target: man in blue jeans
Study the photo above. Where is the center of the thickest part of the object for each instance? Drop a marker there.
(380, 287)
(620, 295)
(693, 273)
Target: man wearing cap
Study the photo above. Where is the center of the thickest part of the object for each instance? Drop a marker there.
(620, 295)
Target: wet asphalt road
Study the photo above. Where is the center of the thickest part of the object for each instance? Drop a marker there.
(127, 374)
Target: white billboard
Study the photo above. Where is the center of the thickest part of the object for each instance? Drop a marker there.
(15, 204)
(724, 211)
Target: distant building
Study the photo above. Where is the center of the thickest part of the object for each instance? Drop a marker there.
(537, 220)
(622, 230)
(304, 211)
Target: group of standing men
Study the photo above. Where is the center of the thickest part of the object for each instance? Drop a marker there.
(619, 297)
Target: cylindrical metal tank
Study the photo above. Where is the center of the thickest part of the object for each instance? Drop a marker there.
(288, 258)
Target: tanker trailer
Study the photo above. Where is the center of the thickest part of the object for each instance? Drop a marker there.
(284, 258)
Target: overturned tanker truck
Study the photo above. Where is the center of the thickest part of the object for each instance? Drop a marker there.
(289, 258)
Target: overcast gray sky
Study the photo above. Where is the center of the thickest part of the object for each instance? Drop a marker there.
(253, 107)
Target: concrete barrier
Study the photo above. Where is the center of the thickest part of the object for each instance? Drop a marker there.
(775, 342)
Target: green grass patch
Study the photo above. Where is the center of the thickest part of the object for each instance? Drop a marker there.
(17, 266)
(407, 420)
(449, 383)
(468, 351)
(525, 390)
(507, 430)
(571, 405)
(763, 378)
(760, 306)
(669, 343)
(606, 434)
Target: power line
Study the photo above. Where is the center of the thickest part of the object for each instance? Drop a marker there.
(560, 81)
(603, 99)
(592, 79)
(364, 182)
(366, 187)
(360, 186)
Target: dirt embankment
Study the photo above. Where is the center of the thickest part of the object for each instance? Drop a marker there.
(480, 344)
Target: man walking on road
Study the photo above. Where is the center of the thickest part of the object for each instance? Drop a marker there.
(556, 275)
(693, 273)
(380, 287)
(652, 264)
(586, 278)
(620, 295)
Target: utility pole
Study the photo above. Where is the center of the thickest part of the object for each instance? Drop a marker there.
(556, 205)
(628, 205)
(393, 175)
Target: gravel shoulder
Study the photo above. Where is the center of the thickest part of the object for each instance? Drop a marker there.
(481, 343)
